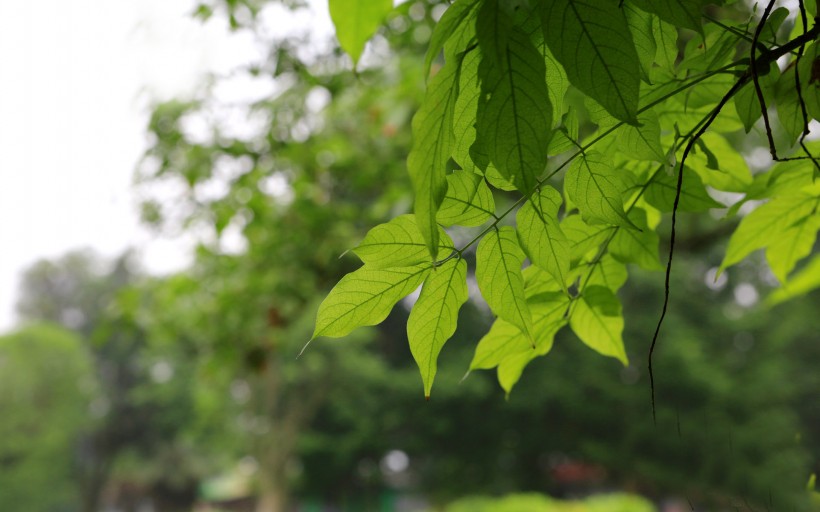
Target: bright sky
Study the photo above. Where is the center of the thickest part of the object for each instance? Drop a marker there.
(76, 79)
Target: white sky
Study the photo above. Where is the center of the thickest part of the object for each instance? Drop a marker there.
(76, 78)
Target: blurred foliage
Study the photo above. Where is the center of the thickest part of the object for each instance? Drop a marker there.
(47, 390)
(539, 503)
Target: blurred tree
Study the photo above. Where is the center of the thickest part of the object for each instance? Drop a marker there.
(133, 412)
(47, 389)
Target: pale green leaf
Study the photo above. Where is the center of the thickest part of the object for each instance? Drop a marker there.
(666, 38)
(682, 13)
(734, 174)
(537, 281)
(660, 192)
(397, 243)
(582, 237)
(514, 117)
(365, 297)
(432, 146)
(640, 25)
(459, 13)
(505, 346)
(801, 283)
(596, 189)
(596, 319)
(762, 226)
(792, 245)
(540, 234)
(356, 21)
(591, 39)
(605, 271)
(498, 273)
(642, 142)
(639, 247)
(469, 156)
(468, 202)
(434, 316)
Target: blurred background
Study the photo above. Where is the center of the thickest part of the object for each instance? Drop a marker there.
(179, 182)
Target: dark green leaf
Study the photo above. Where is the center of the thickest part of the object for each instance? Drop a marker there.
(591, 39)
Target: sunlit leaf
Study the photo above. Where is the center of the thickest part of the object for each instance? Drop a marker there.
(661, 191)
(469, 202)
(591, 39)
(540, 234)
(792, 245)
(356, 21)
(498, 273)
(801, 283)
(432, 147)
(639, 247)
(460, 12)
(365, 297)
(640, 25)
(397, 243)
(596, 319)
(642, 142)
(596, 188)
(435, 314)
(767, 222)
(583, 237)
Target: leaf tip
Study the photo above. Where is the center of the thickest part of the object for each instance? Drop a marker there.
(427, 397)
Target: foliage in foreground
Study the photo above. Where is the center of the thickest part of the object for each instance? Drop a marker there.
(540, 503)
(601, 118)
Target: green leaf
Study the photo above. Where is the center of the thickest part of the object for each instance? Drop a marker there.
(766, 223)
(498, 273)
(792, 245)
(365, 297)
(597, 321)
(639, 247)
(660, 192)
(606, 272)
(596, 188)
(682, 13)
(507, 348)
(469, 201)
(591, 39)
(642, 142)
(469, 156)
(666, 38)
(640, 25)
(582, 237)
(540, 234)
(432, 147)
(801, 283)
(397, 243)
(809, 68)
(788, 105)
(459, 13)
(434, 317)
(514, 119)
(734, 174)
(356, 21)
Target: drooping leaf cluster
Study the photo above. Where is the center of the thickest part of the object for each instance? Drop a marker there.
(601, 117)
